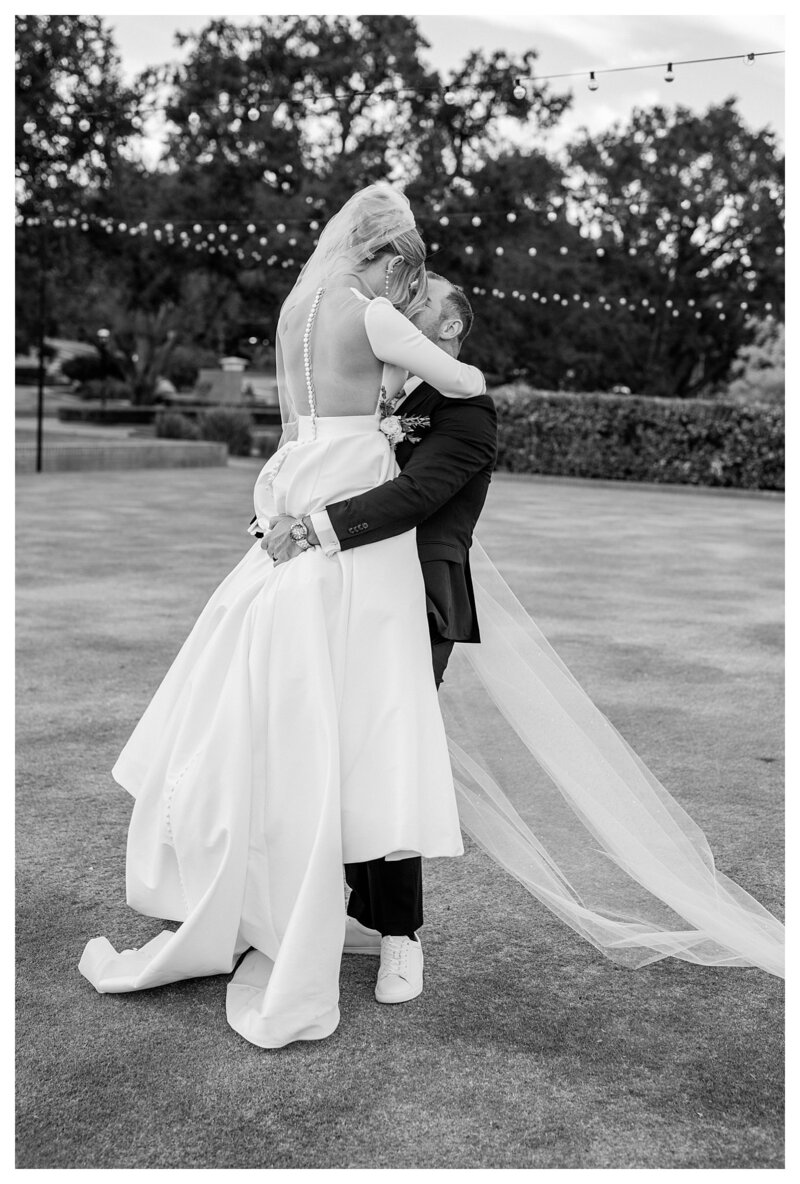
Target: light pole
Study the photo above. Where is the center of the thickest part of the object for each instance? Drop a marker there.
(42, 331)
(102, 345)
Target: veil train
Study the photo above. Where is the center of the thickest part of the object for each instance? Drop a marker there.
(581, 822)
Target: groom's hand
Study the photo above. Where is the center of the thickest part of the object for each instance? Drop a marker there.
(279, 544)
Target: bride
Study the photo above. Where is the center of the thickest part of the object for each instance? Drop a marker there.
(299, 729)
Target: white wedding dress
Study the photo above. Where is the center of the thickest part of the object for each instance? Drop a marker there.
(299, 727)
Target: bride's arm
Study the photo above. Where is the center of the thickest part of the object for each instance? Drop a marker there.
(395, 340)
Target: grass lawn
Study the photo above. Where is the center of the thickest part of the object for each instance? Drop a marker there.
(527, 1048)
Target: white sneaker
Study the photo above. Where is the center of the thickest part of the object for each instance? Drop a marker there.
(360, 940)
(400, 974)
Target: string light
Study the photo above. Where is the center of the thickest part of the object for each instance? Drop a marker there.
(383, 92)
(207, 243)
(670, 75)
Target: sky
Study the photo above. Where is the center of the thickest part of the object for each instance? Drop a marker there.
(570, 42)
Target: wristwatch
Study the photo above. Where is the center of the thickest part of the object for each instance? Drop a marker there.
(299, 534)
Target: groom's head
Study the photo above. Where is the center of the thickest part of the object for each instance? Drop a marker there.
(446, 318)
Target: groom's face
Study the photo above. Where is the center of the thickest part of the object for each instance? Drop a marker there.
(436, 314)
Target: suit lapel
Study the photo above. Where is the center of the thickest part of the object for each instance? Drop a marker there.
(417, 397)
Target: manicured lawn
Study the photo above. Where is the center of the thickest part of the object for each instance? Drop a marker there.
(527, 1048)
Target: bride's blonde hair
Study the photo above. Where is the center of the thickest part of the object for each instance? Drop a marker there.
(375, 222)
(407, 282)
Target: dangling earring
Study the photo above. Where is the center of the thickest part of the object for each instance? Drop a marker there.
(390, 268)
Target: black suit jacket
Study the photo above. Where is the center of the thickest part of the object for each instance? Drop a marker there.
(441, 491)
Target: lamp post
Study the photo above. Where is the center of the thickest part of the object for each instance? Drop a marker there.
(102, 345)
(42, 331)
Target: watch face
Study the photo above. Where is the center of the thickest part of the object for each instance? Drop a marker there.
(298, 532)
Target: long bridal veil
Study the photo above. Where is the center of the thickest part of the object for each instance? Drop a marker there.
(549, 788)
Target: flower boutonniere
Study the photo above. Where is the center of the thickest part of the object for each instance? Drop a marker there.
(397, 428)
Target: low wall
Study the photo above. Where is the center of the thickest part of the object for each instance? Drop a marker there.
(123, 454)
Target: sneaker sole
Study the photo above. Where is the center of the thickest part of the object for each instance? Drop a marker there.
(405, 999)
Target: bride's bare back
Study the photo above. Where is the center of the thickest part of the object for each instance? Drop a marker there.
(346, 373)
(349, 345)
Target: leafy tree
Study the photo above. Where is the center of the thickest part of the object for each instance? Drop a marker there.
(73, 119)
(277, 121)
(758, 373)
(73, 112)
(688, 212)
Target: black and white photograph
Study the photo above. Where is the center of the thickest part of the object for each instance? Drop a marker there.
(399, 561)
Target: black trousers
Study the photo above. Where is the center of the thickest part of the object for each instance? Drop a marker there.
(387, 894)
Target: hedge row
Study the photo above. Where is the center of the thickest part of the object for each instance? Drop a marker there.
(234, 428)
(633, 438)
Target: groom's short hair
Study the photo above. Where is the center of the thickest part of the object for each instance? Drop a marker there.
(458, 304)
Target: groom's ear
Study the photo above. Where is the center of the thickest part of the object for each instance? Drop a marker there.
(451, 328)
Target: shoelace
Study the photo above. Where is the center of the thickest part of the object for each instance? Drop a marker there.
(394, 956)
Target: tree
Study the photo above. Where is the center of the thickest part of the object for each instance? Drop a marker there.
(73, 118)
(72, 111)
(758, 373)
(687, 211)
(275, 122)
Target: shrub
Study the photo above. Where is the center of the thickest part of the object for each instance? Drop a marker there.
(105, 388)
(758, 372)
(234, 428)
(635, 438)
(87, 367)
(171, 425)
(184, 364)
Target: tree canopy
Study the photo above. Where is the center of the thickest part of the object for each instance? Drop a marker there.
(628, 261)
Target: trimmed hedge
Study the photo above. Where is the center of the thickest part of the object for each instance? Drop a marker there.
(635, 438)
(171, 425)
(234, 428)
(231, 427)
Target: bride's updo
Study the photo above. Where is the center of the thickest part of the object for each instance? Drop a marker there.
(375, 222)
(384, 227)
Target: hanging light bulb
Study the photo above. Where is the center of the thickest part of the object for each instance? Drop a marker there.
(749, 59)
(193, 120)
(519, 90)
(449, 97)
(253, 114)
(512, 217)
(670, 75)
(593, 83)
(476, 221)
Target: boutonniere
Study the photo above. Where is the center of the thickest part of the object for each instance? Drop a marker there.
(399, 427)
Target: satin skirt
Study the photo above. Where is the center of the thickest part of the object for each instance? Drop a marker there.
(298, 729)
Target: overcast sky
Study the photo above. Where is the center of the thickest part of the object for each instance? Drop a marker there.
(567, 43)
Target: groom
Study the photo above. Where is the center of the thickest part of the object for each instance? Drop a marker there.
(440, 490)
